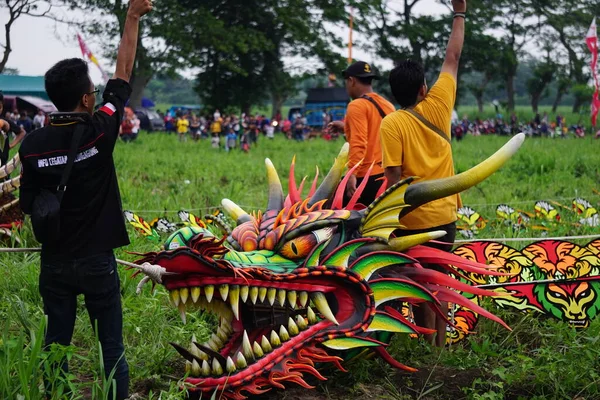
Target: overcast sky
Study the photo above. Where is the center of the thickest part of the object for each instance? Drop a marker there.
(39, 43)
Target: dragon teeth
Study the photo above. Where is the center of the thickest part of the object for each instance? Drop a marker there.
(188, 367)
(234, 298)
(195, 292)
(281, 294)
(303, 297)
(254, 294)
(184, 294)
(244, 293)
(211, 343)
(222, 334)
(205, 369)
(262, 293)
(292, 327)
(266, 346)
(312, 317)
(321, 303)
(274, 339)
(209, 291)
(217, 369)
(283, 333)
(195, 368)
(174, 296)
(258, 351)
(224, 290)
(229, 365)
(247, 347)
(301, 322)
(218, 341)
(240, 361)
(271, 292)
(292, 298)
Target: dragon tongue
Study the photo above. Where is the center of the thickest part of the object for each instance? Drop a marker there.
(321, 303)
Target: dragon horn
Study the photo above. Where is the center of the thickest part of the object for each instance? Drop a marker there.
(235, 211)
(275, 189)
(332, 180)
(423, 192)
(403, 243)
(10, 166)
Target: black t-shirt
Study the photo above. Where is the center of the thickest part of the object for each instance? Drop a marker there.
(91, 218)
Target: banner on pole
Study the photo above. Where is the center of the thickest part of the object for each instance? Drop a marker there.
(592, 42)
(87, 53)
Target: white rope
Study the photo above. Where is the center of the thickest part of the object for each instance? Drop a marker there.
(527, 239)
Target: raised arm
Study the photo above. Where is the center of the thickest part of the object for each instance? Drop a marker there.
(129, 41)
(457, 39)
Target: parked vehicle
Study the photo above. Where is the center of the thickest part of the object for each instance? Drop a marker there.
(333, 101)
(150, 120)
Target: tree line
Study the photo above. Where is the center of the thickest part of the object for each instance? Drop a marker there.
(236, 48)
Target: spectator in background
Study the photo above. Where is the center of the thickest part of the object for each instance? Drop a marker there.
(231, 139)
(195, 127)
(135, 123)
(25, 122)
(287, 128)
(216, 115)
(216, 126)
(39, 121)
(183, 126)
(298, 129)
(270, 131)
(126, 130)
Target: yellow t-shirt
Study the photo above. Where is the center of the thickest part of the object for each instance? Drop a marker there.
(361, 127)
(182, 125)
(406, 142)
(216, 127)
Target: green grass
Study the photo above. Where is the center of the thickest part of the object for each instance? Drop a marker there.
(159, 175)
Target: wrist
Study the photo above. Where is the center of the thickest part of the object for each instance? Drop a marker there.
(460, 14)
(133, 16)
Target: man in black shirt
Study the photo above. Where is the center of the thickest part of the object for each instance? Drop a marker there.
(81, 260)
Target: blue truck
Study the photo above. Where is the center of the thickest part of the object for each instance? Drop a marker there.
(330, 100)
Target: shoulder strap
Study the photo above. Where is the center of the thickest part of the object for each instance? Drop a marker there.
(370, 99)
(427, 124)
(62, 188)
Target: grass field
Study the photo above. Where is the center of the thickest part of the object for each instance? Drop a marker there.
(539, 359)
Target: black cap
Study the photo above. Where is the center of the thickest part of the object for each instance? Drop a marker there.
(360, 69)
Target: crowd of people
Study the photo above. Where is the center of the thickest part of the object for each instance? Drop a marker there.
(28, 121)
(539, 126)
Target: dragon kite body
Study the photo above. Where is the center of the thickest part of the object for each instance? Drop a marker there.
(296, 285)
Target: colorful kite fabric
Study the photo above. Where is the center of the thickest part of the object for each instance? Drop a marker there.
(309, 281)
(556, 278)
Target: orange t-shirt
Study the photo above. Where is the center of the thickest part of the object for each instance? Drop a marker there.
(362, 132)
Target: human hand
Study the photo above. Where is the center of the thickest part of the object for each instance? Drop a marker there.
(459, 5)
(336, 126)
(139, 8)
(351, 186)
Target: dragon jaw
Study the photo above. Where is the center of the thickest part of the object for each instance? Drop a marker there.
(308, 276)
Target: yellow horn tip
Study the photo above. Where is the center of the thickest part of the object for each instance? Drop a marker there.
(406, 242)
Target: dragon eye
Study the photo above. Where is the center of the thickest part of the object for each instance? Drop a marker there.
(301, 247)
(556, 295)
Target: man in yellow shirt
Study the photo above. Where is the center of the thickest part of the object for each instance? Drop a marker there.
(361, 126)
(416, 142)
(183, 126)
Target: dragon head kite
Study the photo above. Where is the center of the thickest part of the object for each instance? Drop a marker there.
(298, 284)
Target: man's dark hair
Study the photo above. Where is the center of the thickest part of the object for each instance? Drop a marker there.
(405, 81)
(1, 97)
(365, 81)
(66, 82)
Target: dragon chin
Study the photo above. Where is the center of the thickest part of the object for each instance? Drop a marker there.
(308, 281)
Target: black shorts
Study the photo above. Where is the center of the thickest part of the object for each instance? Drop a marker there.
(447, 245)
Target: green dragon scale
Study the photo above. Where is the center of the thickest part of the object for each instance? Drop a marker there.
(307, 279)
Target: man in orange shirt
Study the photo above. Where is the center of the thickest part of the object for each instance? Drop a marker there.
(361, 126)
(416, 142)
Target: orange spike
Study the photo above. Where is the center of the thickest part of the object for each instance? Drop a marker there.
(313, 188)
(360, 189)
